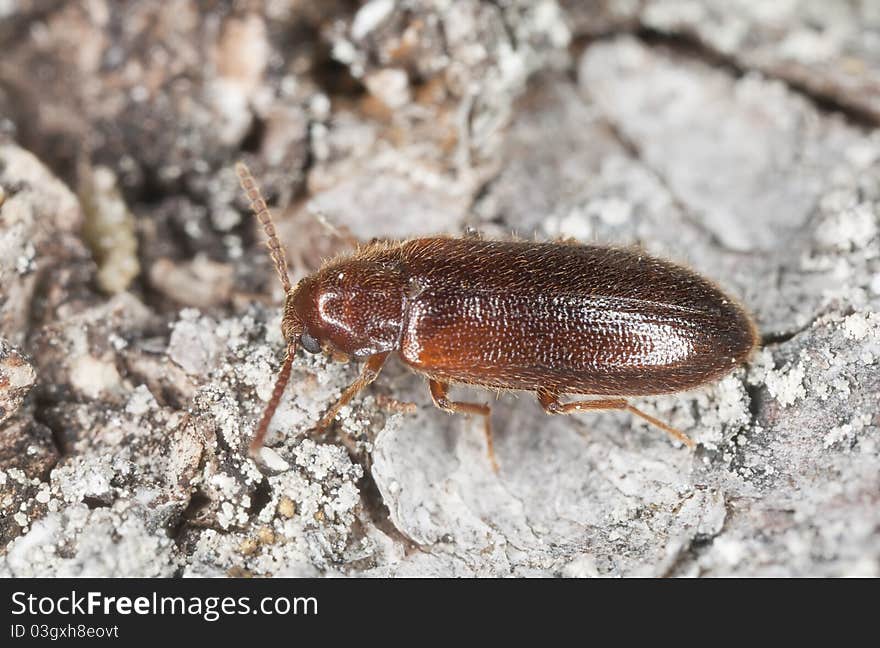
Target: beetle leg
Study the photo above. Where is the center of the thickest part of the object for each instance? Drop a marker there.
(368, 374)
(342, 232)
(394, 405)
(550, 402)
(339, 231)
(439, 391)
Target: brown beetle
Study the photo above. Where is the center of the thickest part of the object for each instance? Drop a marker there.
(549, 318)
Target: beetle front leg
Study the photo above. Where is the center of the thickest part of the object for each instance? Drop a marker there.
(549, 400)
(439, 391)
(371, 369)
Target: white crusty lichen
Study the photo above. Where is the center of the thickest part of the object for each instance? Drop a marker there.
(81, 542)
(193, 343)
(295, 513)
(305, 525)
(17, 376)
(786, 384)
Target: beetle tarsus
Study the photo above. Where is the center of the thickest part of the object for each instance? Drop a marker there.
(671, 431)
(550, 402)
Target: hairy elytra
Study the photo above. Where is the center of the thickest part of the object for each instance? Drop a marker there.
(550, 318)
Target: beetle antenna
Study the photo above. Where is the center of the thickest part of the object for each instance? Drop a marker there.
(261, 211)
(272, 405)
(276, 252)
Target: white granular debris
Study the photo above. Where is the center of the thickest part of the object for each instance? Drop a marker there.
(226, 484)
(93, 377)
(787, 384)
(584, 566)
(837, 434)
(272, 459)
(842, 386)
(729, 550)
(193, 344)
(344, 51)
(761, 364)
(18, 475)
(808, 46)
(347, 497)
(119, 343)
(848, 229)
(85, 476)
(27, 261)
(323, 460)
(855, 326)
(370, 16)
(841, 433)
(34, 548)
(548, 18)
(141, 401)
(390, 86)
(234, 331)
(101, 542)
(858, 326)
(838, 200)
(319, 106)
(226, 515)
(225, 219)
(862, 154)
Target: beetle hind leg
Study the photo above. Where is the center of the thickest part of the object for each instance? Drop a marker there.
(439, 391)
(549, 400)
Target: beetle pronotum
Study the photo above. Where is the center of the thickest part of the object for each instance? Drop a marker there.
(549, 318)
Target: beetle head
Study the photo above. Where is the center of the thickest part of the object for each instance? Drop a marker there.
(351, 307)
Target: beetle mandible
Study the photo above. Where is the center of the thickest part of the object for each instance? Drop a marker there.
(549, 318)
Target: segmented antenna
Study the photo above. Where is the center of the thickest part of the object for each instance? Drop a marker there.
(276, 251)
(261, 211)
(269, 412)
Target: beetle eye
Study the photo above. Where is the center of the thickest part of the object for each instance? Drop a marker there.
(309, 343)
